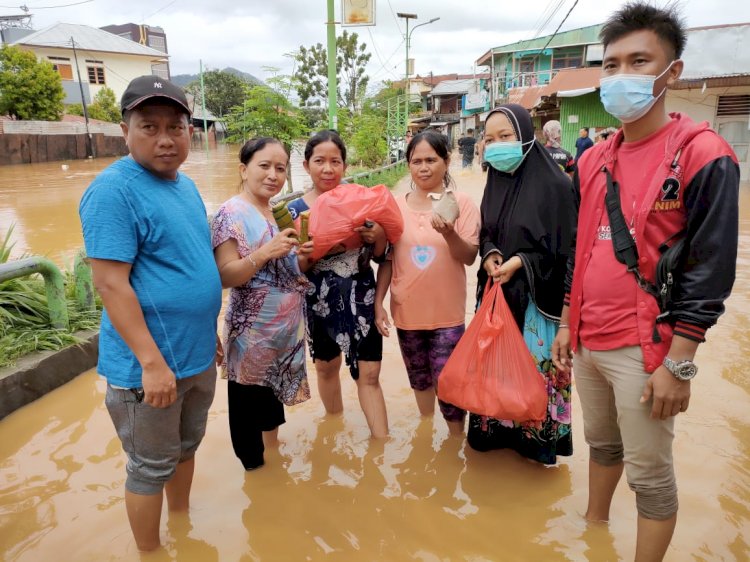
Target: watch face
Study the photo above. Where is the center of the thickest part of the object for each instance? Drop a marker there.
(686, 370)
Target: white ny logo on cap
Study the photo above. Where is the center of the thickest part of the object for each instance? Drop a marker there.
(157, 84)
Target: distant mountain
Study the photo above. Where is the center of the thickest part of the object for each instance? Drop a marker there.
(183, 80)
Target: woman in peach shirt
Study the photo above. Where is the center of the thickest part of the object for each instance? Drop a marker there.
(426, 274)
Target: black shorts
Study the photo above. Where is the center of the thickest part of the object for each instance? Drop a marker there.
(325, 348)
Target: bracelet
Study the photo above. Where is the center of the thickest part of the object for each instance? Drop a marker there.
(252, 261)
(565, 326)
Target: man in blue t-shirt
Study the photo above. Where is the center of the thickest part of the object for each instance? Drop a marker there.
(147, 237)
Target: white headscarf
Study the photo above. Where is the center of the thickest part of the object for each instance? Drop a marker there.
(552, 132)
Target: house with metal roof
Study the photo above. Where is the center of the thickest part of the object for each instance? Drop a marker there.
(535, 62)
(89, 59)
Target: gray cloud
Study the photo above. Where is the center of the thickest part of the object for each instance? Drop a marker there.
(256, 33)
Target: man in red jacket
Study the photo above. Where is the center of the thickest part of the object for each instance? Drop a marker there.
(632, 363)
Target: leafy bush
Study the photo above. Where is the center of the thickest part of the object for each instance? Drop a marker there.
(24, 315)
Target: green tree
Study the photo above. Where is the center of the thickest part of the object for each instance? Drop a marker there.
(29, 89)
(368, 140)
(104, 107)
(264, 112)
(223, 91)
(312, 74)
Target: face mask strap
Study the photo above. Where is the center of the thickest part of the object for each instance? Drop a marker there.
(660, 75)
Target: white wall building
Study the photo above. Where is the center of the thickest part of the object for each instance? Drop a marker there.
(715, 85)
(104, 59)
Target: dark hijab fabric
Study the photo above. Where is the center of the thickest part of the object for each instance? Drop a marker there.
(529, 213)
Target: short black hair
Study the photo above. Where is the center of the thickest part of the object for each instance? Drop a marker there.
(665, 22)
(585, 129)
(327, 135)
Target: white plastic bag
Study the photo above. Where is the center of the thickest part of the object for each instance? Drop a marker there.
(445, 205)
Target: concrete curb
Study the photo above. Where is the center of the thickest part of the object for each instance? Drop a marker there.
(36, 374)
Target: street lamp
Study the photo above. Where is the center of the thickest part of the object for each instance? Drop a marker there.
(408, 17)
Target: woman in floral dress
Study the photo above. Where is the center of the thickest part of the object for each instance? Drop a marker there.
(264, 325)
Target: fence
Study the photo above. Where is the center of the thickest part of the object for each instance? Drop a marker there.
(59, 128)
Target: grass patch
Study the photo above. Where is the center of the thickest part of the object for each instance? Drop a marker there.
(24, 315)
(389, 177)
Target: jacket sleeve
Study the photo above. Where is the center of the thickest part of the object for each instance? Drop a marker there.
(574, 238)
(711, 201)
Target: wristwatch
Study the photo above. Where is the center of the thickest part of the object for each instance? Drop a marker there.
(682, 370)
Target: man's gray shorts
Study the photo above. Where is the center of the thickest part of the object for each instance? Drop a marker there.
(156, 440)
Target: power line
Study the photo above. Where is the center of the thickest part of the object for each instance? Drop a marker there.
(538, 24)
(551, 37)
(395, 18)
(561, 24)
(387, 61)
(25, 8)
(377, 52)
(160, 10)
(546, 22)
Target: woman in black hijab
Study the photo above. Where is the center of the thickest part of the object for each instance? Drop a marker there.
(528, 220)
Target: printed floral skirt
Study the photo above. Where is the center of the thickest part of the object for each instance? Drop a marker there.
(541, 441)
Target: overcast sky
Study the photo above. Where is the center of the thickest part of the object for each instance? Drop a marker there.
(251, 34)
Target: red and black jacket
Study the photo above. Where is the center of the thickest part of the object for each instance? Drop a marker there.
(700, 195)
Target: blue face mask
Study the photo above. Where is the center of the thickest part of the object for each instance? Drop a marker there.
(629, 96)
(505, 156)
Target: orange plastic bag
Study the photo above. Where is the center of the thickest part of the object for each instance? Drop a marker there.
(491, 372)
(336, 213)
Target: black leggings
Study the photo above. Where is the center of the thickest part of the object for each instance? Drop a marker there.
(253, 409)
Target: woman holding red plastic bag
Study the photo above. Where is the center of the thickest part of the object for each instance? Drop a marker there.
(528, 219)
(340, 302)
(426, 272)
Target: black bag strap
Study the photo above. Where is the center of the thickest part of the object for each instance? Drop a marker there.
(623, 244)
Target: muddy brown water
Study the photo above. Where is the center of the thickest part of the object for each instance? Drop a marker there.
(330, 493)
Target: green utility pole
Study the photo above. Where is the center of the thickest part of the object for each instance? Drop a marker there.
(407, 17)
(406, 78)
(203, 104)
(333, 120)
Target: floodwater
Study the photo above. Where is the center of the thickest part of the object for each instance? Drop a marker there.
(330, 493)
(41, 200)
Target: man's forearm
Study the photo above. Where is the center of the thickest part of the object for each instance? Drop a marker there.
(682, 348)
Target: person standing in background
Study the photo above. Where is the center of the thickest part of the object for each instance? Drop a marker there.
(552, 134)
(583, 143)
(467, 146)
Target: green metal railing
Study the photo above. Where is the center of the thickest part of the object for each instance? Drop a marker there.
(353, 178)
(84, 289)
(53, 283)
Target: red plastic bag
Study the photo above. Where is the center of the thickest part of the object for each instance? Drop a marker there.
(336, 213)
(491, 372)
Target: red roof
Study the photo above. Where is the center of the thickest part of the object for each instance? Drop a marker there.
(573, 79)
(527, 97)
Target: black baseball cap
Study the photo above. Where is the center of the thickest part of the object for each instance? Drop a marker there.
(148, 87)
